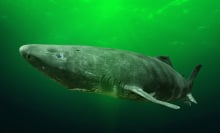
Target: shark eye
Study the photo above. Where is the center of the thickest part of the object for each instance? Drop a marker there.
(59, 55)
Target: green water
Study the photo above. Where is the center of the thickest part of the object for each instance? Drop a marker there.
(186, 30)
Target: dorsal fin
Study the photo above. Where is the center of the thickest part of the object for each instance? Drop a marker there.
(165, 59)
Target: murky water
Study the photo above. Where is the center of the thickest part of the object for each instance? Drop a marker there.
(186, 30)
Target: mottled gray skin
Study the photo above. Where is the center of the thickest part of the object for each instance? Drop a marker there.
(104, 70)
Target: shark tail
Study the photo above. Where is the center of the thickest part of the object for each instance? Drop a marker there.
(195, 73)
(192, 77)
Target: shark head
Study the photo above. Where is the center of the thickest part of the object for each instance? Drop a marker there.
(54, 61)
(44, 56)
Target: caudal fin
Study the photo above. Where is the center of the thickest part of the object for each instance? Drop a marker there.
(195, 72)
(189, 98)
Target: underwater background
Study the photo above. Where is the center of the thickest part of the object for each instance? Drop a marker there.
(186, 30)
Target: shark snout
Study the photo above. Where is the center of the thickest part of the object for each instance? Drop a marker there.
(23, 49)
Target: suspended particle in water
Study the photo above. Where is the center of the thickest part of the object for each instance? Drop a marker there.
(201, 28)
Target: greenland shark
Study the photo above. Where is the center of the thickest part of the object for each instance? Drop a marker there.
(118, 73)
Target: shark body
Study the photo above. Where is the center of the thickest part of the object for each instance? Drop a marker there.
(118, 73)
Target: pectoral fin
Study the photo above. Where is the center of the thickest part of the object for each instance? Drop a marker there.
(147, 96)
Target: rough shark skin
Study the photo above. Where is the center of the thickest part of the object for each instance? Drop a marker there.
(118, 73)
